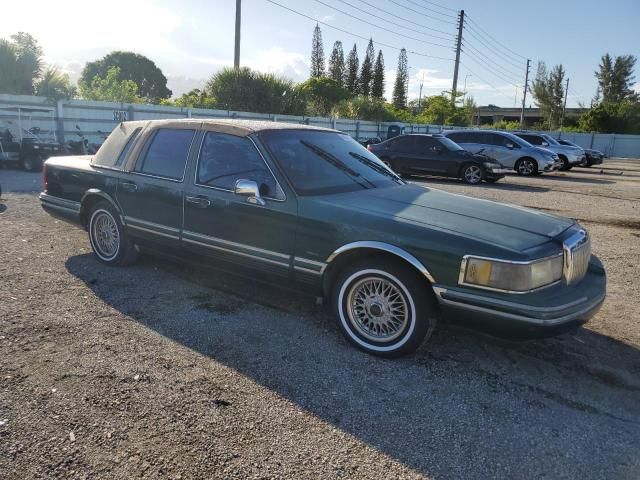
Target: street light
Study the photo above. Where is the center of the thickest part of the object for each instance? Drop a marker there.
(464, 96)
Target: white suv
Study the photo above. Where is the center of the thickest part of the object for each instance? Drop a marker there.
(511, 151)
(568, 154)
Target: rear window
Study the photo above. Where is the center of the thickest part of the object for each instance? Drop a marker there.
(127, 147)
(167, 153)
(109, 153)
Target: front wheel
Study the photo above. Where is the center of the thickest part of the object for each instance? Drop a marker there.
(389, 163)
(472, 174)
(526, 167)
(383, 307)
(107, 236)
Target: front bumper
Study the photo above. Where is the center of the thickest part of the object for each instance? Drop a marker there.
(578, 160)
(552, 166)
(546, 312)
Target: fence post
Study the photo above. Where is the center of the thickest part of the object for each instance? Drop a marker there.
(130, 113)
(188, 113)
(593, 134)
(60, 121)
(333, 123)
(613, 146)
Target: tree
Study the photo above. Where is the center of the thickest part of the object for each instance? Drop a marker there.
(615, 78)
(110, 88)
(55, 84)
(195, 98)
(548, 93)
(365, 108)
(336, 64)
(377, 83)
(247, 90)
(20, 64)
(366, 71)
(351, 74)
(322, 94)
(402, 78)
(150, 81)
(317, 53)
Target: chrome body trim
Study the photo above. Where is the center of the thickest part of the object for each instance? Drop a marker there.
(463, 270)
(385, 247)
(155, 232)
(243, 254)
(228, 243)
(59, 203)
(130, 220)
(307, 270)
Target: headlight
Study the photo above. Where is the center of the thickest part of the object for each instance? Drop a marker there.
(491, 165)
(519, 277)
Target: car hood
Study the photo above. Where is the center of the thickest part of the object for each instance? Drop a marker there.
(508, 226)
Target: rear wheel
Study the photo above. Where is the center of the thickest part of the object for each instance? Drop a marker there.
(382, 307)
(526, 167)
(472, 173)
(107, 236)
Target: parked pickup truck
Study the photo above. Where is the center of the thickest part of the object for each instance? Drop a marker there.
(312, 208)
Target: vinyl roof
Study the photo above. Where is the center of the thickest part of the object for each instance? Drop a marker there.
(233, 126)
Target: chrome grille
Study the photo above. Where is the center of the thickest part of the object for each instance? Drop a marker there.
(577, 253)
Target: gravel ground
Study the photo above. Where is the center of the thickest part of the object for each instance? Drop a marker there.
(155, 371)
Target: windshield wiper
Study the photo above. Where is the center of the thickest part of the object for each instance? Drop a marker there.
(331, 159)
(378, 168)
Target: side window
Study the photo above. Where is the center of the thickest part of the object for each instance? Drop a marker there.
(460, 137)
(532, 139)
(167, 153)
(127, 147)
(425, 144)
(483, 138)
(225, 159)
(405, 144)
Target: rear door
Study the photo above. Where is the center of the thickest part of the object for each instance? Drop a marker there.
(402, 152)
(151, 195)
(227, 227)
(430, 156)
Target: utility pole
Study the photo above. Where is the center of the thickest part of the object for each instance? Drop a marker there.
(236, 53)
(454, 87)
(420, 94)
(564, 107)
(524, 95)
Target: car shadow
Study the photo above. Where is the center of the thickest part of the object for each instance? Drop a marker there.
(454, 409)
(567, 177)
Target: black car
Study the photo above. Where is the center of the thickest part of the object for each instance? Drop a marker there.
(593, 157)
(421, 154)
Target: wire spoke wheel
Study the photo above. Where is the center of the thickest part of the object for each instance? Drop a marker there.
(105, 234)
(473, 174)
(377, 309)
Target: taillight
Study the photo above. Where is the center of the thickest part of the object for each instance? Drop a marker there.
(44, 177)
(369, 148)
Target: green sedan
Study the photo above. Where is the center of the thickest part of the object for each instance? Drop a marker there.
(311, 208)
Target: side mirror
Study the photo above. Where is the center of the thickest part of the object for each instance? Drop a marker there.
(545, 144)
(509, 146)
(249, 189)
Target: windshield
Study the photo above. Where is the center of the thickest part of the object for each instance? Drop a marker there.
(317, 162)
(550, 140)
(450, 144)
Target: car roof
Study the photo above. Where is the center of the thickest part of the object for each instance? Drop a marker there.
(231, 125)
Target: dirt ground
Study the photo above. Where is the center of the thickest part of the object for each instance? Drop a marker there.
(156, 371)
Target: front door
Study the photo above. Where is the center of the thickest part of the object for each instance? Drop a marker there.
(151, 195)
(231, 228)
(430, 156)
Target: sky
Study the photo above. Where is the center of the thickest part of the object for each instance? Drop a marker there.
(192, 39)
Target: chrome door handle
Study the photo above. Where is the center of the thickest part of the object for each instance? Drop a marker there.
(199, 201)
(129, 186)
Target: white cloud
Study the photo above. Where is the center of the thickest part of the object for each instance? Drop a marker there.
(276, 60)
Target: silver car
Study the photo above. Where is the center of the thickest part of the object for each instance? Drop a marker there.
(569, 154)
(510, 150)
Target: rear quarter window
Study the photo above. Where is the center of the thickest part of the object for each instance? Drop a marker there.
(112, 148)
(166, 155)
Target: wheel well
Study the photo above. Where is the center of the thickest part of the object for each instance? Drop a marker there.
(562, 156)
(535, 162)
(87, 205)
(347, 258)
(462, 167)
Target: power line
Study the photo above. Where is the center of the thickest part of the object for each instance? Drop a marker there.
(492, 49)
(424, 14)
(381, 27)
(395, 47)
(440, 6)
(409, 21)
(514, 77)
(492, 72)
(431, 9)
(485, 81)
(496, 41)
